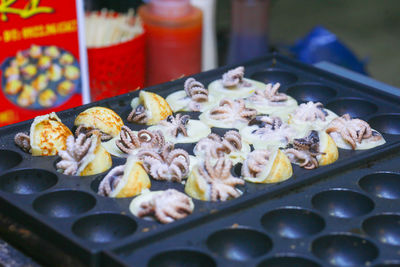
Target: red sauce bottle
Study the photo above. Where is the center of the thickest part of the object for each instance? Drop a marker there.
(173, 39)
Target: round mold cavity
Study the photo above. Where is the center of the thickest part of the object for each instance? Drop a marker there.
(181, 258)
(9, 159)
(104, 227)
(275, 76)
(239, 244)
(311, 92)
(27, 181)
(344, 250)
(342, 203)
(288, 261)
(385, 228)
(63, 204)
(292, 222)
(222, 131)
(382, 184)
(387, 123)
(355, 107)
(188, 147)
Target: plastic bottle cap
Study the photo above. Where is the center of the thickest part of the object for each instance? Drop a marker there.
(170, 8)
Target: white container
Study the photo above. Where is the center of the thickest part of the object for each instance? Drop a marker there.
(209, 44)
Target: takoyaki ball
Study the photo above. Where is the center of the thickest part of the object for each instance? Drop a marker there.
(52, 51)
(27, 96)
(44, 62)
(47, 98)
(71, 72)
(66, 59)
(12, 72)
(54, 72)
(65, 88)
(47, 136)
(103, 119)
(21, 59)
(41, 82)
(13, 87)
(35, 51)
(29, 71)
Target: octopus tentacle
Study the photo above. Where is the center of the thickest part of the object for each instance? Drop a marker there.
(167, 206)
(353, 131)
(232, 109)
(255, 163)
(111, 180)
(166, 164)
(77, 149)
(221, 182)
(138, 115)
(234, 78)
(23, 141)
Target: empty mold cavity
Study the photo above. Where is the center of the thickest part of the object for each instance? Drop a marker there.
(287, 261)
(104, 227)
(311, 92)
(355, 107)
(182, 258)
(275, 76)
(382, 184)
(27, 181)
(388, 123)
(9, 159)
(385, 228)
(239, 244)
(342, 203)
(344, 250)
(62, 204)
(292, 222)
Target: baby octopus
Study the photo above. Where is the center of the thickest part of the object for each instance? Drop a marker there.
(177, 125)
(219, 178)
(111, 180)
(76, 151)
(305, 150)
(167, 165)
(144, 139)
(232, 109)
(138, 115)
(88, 131)
(264, 121)
(270, 93)
(196, 91)
(23, 141)
(255, 163)
(167, 206)
(216, 146)
(234, 78)
(352, 130)
(311, 111)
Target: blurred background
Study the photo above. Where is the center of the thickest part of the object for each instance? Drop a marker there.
(366, 33)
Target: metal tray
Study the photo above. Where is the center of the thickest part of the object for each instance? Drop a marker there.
(66, 212)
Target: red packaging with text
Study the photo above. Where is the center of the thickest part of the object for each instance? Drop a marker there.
(42, 58)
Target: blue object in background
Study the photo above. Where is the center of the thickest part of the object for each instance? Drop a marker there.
(322, 45)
